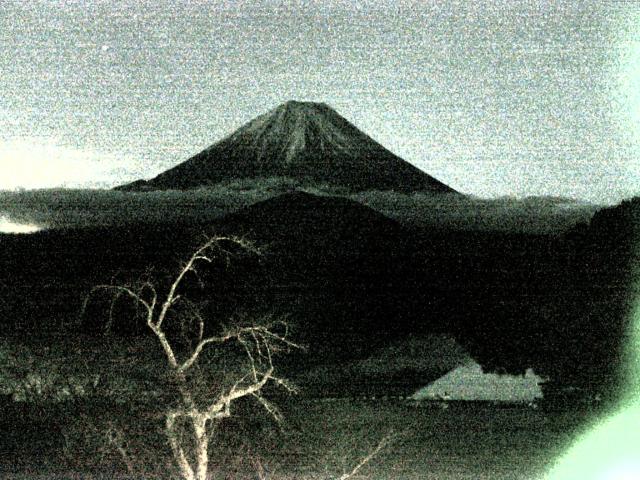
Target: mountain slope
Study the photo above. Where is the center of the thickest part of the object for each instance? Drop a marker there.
(340, 271)
(307, 141)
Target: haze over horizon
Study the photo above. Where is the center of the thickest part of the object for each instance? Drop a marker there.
(491, 98)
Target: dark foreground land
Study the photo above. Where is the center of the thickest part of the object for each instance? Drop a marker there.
(320, 439)
(349, 280)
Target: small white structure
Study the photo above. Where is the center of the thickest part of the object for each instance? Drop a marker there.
(469, 382)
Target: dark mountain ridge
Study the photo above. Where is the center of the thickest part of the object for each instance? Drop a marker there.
(307, 141)
(351, 280)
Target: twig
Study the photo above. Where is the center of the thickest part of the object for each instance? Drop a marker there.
(383, 443)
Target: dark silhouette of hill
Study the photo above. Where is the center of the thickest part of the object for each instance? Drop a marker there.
(604, 260)
(352, 280)
(329, 243)
(558, 304)
(306, 141)
(340, 270)
(321, 227)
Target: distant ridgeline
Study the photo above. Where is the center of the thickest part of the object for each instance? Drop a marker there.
(308, 142)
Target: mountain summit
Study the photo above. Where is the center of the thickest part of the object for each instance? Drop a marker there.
(309, 142)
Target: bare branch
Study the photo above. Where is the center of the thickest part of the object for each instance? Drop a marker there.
(290, 387)
(261, 471)
(382, 444)
(114, 437)
(252, 333)
(264, 339)
(125, 290)
(268, 331)
(198, 350)
(149, 307)
(166, 346)
(198, 256)
(269, 407)
(112, 306)
(221, 407)
(252, 361)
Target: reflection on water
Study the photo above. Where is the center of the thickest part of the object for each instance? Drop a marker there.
(9, 226)
(470, 382)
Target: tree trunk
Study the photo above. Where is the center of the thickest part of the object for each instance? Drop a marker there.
(202, 444)
(186, 472)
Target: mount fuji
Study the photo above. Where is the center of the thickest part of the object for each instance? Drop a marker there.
(305, 141)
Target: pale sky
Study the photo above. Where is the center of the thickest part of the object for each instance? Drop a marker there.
(492, 97)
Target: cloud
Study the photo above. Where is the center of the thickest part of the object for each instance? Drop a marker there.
(47, 164)
(7, 225)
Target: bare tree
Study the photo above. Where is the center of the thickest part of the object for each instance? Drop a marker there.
(203, 403)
